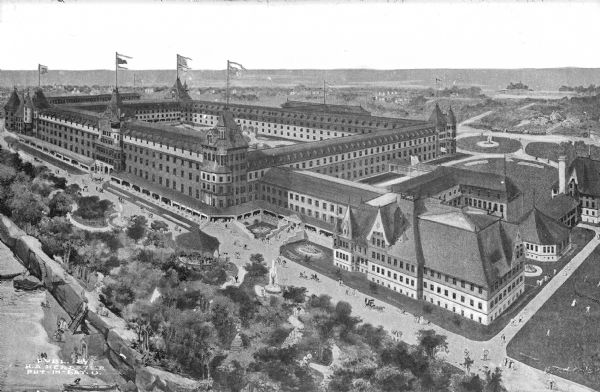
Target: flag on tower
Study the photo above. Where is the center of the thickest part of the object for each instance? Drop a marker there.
(42, 69)
(182, 62)
(120, 58)
(237, 68)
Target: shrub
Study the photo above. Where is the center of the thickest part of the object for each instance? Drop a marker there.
(256, 269)
(278, 336)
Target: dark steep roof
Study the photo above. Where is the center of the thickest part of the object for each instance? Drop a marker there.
(39, 99)
(465, 246)
(445, 177)
(559, 206)
(538, 228)
(437, 117)
(233, 134)
(14, 101)
(180, 92)
(587, 171)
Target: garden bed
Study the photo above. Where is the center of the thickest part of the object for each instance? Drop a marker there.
(505, 145)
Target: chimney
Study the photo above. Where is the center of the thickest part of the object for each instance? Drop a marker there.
(562, 175)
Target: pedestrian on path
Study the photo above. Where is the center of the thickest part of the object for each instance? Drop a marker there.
(548, 332)
(587, 309)
(503, 339)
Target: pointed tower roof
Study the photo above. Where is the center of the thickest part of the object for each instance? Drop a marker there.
(180, 91)
(229, 132)
(346, 225)
(39, 99)
(437, 117)
(13, 101)
(451, 116)
(114, 109)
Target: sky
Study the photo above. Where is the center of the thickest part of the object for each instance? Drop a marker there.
(272, 35)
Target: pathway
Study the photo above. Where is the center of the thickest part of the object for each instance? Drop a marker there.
(524, 378)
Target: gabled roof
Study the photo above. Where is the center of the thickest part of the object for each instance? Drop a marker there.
(538, 228)
(587, 171)
(437, 117)
(559, 206)
(473, 250)
(13, 101)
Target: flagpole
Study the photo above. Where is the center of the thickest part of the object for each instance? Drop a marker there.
(39, 77)
(324, 93)
(177, 66)
(116, 70)
(227, 87)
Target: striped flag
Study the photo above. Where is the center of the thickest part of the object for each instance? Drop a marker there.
(182, 62)
(120, 59)
(234, 67)
(42, 69)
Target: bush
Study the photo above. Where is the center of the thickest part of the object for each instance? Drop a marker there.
(278, 336)
(256, 269)
(294, 294)
(91, 207)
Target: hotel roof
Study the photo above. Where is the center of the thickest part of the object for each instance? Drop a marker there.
(303, 183)
(444, 177)
(305, 151)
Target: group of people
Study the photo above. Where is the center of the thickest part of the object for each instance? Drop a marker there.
(304, 275)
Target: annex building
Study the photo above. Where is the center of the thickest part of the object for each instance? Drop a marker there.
(454, 238)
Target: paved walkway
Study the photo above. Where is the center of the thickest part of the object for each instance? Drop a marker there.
(523, 378)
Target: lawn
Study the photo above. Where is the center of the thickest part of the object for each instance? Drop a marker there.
(544, 150)
(573, 346)
(505, 145)
(198, 240)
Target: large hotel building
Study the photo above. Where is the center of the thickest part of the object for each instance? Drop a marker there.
(454, 238)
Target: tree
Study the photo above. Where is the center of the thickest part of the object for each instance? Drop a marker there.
(232, 377)
(159, 225)
(294, 294)
(431, 343)
(391, 379)
(470, 384)
(137, 229)
(60, 204)
(256, 269)
(27, 207)
(257, 258)
(493, 381)
(221, 316)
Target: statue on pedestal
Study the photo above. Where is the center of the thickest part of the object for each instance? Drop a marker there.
(273, 287)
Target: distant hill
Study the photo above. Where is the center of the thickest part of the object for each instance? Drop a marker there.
(549, 79)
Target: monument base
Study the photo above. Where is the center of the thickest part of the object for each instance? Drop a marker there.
(273, 289)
